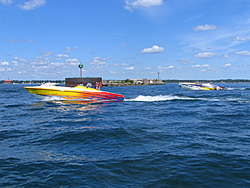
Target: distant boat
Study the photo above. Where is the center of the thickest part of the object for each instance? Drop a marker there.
(200, 86)
(50, 84)
(75, 93)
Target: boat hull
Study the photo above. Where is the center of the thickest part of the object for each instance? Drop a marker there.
(75, 93)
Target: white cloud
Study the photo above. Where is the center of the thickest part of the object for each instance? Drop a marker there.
(205, 27)
(196, 66)
(162, 68)
(205, 65)
(185, 61)
(62, 55)
(15, 62)
(73, 62)
(98, 62)
(4, 63)
(4, 69)
(101, 59)
(227, 65)
(142, 4)
(6, 2)
(225, 56)
(130, 68)
(57, 64)
(244, 53)
(205, 55)
(47, 53)
(154, 49)
(147, 68)
(71, 48)
(19, 59)
(240, 39)
(32, 4)
(170, 67)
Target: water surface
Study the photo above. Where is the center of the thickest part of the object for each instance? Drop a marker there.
(160, 136)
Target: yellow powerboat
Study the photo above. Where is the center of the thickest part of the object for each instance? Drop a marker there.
(74, 93)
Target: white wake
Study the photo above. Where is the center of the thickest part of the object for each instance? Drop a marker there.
(159, 98)
(142, 98)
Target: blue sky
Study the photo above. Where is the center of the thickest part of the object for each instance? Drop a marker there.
(125, 39)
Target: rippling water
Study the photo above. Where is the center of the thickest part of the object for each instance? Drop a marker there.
(160, 136)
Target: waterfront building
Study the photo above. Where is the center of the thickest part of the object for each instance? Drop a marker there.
(8, 81)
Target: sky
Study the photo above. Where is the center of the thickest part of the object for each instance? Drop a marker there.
(124, 39)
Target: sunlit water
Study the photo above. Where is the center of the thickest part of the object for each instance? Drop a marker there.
(160, 136)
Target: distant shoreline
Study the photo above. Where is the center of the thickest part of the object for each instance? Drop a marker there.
(122, 83)
(211, 81)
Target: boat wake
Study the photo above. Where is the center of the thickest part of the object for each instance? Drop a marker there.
(50, 98)
(142, 98)
(238, 88)
(158, 98)
(62, 100)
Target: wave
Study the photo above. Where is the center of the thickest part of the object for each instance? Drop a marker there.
(159, 98)
(50, 98)
(142, 98)
(238, 88)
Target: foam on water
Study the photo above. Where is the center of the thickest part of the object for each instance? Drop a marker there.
(158, 98)
(238, 88)
(50, 98)
(142, 98)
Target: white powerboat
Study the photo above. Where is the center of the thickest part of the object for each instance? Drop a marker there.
(200, 86)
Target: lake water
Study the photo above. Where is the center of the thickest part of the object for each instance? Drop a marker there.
(160, 136)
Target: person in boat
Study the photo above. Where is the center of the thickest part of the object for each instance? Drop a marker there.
(81, 84)
(89, 85)
(98, 85)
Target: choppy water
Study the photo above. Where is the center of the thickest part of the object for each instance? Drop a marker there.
(160, 136)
